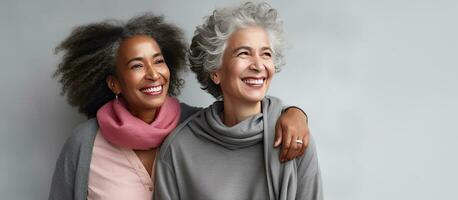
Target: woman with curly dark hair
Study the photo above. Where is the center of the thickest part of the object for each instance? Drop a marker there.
(122, 76)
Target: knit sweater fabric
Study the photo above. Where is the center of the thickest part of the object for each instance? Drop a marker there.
(204, 159)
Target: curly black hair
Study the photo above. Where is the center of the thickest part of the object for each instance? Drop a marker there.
(89, 56)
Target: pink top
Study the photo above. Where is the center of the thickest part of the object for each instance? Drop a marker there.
(117, 173)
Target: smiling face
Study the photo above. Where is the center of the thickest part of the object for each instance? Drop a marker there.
(247, 66)
(142, 76)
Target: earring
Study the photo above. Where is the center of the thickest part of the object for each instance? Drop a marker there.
(116, 96)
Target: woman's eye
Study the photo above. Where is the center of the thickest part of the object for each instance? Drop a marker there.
(136, 66)
(243, 53)
(159, 61)
(267, 54)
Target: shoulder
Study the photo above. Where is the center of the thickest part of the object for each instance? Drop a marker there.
(78, 147)
(308, 162)
(275, 104)
(82, 136)
(175, 138)
(275, 100)
(84, 132)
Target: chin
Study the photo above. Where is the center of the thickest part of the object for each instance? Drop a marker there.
(258, 95)
(254, 98)
(155, 103)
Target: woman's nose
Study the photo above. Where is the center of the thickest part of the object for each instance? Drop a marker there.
(151, 73)
(256, 63)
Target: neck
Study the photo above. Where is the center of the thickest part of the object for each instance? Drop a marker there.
(235, 112)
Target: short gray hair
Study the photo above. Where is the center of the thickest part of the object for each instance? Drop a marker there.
(210, 38)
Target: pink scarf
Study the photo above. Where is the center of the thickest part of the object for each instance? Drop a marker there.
(121, 128)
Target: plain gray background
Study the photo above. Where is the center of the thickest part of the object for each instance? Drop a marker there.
(377, 78)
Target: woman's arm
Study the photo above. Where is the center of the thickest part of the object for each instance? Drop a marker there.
(63, 179)
(291, 128)
(72, 167)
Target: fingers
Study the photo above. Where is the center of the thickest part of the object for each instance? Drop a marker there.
(294, 140)
(295, 149)
(304, 146)
(292, 151)
(291, 147)
(278, 135)
(304, 136)
(286, 147)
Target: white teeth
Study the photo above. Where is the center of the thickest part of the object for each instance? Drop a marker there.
(254, 81)
(152, 89)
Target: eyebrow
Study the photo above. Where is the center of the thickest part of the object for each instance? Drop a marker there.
(141, 58)
(267, 48)
(242, 47)
(249, 48)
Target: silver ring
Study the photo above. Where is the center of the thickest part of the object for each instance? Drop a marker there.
(299, 141)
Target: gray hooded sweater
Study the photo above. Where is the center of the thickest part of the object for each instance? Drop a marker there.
(204, 159)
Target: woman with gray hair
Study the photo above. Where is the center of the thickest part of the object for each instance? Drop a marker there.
(226, 150)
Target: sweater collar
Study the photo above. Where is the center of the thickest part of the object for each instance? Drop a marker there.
(244, 134)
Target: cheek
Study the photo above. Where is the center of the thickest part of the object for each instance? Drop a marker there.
(231, 75)
(271, 71)
(166, 74)
(270, 68)
(130, 79)
(237, 68)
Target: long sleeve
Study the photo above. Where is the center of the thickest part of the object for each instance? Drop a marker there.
(309, 185)
(71, 174)
(166, 187)
(62, 185)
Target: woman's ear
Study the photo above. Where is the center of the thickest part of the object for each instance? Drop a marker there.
(113, 84)
(216, 78)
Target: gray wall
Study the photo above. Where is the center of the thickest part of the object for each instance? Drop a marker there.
(378, 79)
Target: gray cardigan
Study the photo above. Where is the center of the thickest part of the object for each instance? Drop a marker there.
(70, 179)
